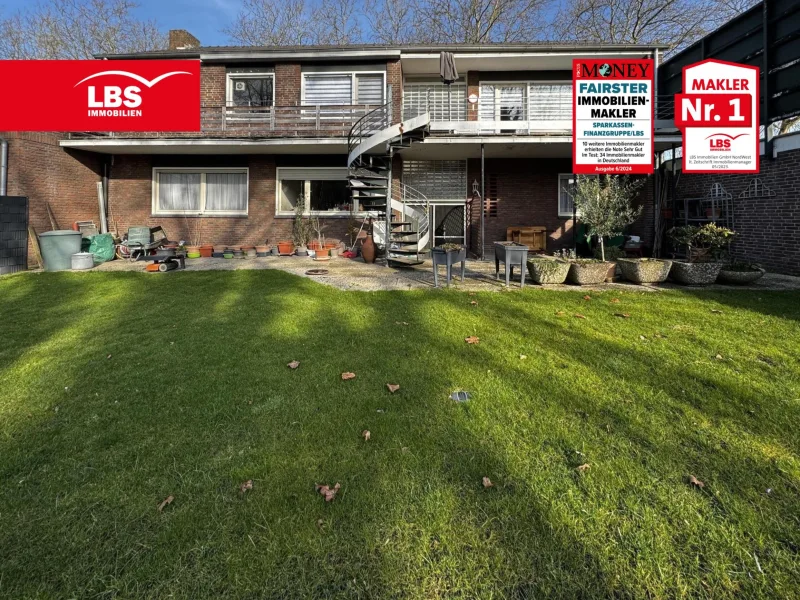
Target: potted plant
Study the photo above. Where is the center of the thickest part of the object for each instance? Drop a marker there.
(546, 270)
(321, 252)
(645, 270)
(613, 254)
(194, 228)
(604, 205)
(301, 231)
(454, 252)
(739, 273)
(704, 247)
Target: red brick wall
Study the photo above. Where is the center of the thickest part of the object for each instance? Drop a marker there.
(287, 84)
(394, 77)
(212, 85)
(767, 227)
(130, 199)
(528, 195)
(44, 172)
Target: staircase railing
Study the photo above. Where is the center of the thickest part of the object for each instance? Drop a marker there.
(375, 120)
(416, 206)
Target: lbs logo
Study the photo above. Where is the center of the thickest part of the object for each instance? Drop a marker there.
(721, 142)
(141, 95)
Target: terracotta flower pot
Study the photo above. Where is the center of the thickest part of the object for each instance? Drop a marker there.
(322, 254)
(368, 250)
(262, 249)
(314, 246)
(285, 248)
(206, 250)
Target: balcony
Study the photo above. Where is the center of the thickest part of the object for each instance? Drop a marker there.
(219, 121)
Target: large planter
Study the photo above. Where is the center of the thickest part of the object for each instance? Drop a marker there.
(548, 271)
(206, 250)
(368, 250)
(739, 276)
(689, 273)
(285, 248)
(448, 258)
(587, 272)
(645, 270)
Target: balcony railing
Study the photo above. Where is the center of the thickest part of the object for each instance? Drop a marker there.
(260, 121)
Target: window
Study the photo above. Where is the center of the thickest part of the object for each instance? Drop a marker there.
(566, 186)
(551, 101)
(251, 89)
(441, 180)
(208, 192)
(503, 102)
(331, 89)
(320, 190)
(442, 102)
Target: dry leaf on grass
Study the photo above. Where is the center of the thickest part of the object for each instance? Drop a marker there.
(320, 524)
(294, 364)
(168, 500)
(716, 312)
(472, 339)
(474, 303)
(346, 376)
(400, 323)
(622, 315)
(583, 468)
(487, 483)
(587, 297)
(615, 300)
(328, 491)
(392, 387)
(579, 316)
(719, 357)
(247, 485)
(366, 435)
(522, 357)
(109, 356)
(696, 482)
(641, 337)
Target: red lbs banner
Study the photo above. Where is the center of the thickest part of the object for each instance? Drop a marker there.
(100, 95)
(718, 114)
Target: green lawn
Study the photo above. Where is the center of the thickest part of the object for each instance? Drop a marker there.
(118, 390)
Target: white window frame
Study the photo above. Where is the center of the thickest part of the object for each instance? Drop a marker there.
(328, 214)
(567, 176)
(561, 177)
(353, 84)
(155, 210)
(231, 75)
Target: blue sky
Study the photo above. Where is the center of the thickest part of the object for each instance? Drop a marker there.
(203, 18)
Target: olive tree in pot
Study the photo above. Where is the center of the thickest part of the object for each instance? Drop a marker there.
(605, 207)
(704, 247)
(301, 228)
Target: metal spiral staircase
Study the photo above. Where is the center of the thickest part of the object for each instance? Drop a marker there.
(403, 214)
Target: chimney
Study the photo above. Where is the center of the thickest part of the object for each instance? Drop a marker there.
(180, 39)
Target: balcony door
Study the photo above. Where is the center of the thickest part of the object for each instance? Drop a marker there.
(503, 104)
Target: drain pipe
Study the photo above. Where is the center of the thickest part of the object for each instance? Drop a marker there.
(3, 166)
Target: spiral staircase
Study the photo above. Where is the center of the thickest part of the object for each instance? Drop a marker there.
(402, 214)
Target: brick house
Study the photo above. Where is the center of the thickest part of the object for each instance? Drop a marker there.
(493, 148)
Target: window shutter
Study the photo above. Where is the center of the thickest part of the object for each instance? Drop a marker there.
(328, 89)
(437, 179)
(370, 89)
(551, 101)
(311, 173)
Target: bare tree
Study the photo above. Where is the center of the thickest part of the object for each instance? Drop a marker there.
(295, 23)
(479, 21)
(391, 21)
(77, 29)
(672, 22)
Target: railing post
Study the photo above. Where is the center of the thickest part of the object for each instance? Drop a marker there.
(317, 119)
(390, 102)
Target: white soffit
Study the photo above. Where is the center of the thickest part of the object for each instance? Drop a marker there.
(427, 63)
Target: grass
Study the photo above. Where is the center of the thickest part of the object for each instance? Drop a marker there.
(118, 390)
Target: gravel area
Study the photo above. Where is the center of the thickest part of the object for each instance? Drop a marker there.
(354, 274)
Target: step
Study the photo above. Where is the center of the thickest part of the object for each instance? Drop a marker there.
(404, 262)
(368, 176)
(404, 251)
(404, 237)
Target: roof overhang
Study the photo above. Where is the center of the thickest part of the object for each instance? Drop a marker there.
(209, 146)
(425, 63)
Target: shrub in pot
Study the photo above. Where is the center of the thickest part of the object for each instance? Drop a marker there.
(301, 228)
(604, 204)
(587, 271)
(740, 273)
(704, 246)
(645, 270)
(546, 270)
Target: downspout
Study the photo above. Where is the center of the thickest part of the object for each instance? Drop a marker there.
(104, 221)
(3, 167)
(483, 200)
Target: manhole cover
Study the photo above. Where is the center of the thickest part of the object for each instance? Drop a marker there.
(317, 272)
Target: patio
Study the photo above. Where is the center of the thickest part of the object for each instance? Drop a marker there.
(355, 275)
